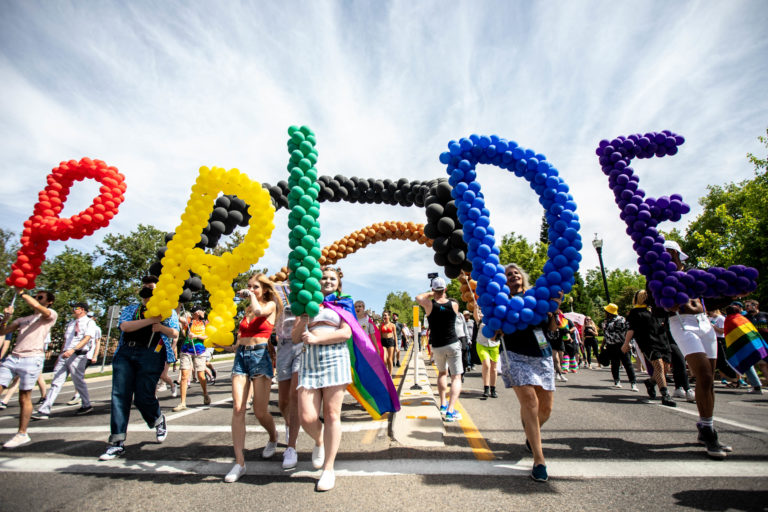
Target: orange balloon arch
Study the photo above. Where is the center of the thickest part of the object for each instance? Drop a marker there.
(353, 242)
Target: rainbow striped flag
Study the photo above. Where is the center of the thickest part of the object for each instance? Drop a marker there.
(743, 344)
(371, 385)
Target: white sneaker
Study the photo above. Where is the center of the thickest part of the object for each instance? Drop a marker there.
(18, 440)
(617, 384)
(290, 458)
(113, 451)
(162, 386)
(634, 387)
(269, 450)
(174, 390)
(318, 456)
(679, 393)
(690, 395)
(76, 400)
(235, 473)
(327, 481)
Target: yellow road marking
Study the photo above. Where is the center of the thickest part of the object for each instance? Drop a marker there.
(480, 448)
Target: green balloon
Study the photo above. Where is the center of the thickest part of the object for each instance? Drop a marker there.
(308, 242)
(308, 222)
(310, 283)
(316, 253)
(305, 182)
(312, 157)
(293, 243)
(316, 273)
(293, 264)
(312, 309)
(299, 232)
(296, 156)
(307, 203)
(312, 192)
(304, 296)
(305, 164)
(296, 173)
(302, 273)
(317, 297)
(313, 211)
(311, 138)
(311, 174)
(298, 138)
(306, 130)
(315, 232)
(292, 129)
(297, 308)
(298, 211)
(309, 262)
(300, 252)
(306, 147)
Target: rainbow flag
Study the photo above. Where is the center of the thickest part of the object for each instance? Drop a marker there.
(743, 344)
(371, 385)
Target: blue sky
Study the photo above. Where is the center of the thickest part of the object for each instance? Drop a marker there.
(159, 89)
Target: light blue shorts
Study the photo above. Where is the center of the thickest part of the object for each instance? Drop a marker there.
(26, 368)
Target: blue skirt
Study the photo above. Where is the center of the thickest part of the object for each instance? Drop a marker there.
(323, 366)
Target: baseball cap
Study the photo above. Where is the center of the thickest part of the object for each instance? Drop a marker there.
(80, 305)
(671, 244)
(438, 283)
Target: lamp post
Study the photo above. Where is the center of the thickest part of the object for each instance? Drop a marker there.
(597, 243)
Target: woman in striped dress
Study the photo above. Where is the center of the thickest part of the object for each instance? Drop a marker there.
(324, 375)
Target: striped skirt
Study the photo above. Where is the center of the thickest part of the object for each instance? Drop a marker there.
(324, 366)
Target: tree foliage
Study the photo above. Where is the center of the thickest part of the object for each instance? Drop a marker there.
(401, 303)
(8, 247)
(622, 285)
(733, 226)
(517, 249)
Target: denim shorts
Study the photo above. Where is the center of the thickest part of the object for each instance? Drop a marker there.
(253, 363)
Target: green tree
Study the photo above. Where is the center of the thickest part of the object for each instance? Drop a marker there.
(73, 277)
(544, 230)
(8, 247)
(622, 284)
(401, 303)
(517, 249)
(125, 259)
(733, 226)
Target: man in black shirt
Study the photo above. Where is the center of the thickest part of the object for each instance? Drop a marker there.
(446, 349)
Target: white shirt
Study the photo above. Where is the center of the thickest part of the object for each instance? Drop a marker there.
(96, 337)
(76, 330)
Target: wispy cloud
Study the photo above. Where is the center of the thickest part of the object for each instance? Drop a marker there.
(159, 89)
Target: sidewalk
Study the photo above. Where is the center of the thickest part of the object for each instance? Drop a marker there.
(418, 423)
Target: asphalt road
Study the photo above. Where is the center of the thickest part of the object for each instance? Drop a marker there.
(607, 449)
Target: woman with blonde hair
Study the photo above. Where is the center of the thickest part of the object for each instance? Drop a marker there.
(388, 340)
(253, 367)
(530, 372)
(325, 373)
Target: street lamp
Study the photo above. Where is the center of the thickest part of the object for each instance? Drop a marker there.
(597, 243)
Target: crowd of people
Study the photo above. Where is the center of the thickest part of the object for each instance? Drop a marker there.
(310, 360)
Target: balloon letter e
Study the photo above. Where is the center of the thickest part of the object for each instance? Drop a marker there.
(217, 272)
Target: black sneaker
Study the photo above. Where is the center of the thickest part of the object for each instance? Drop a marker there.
(113, 451)
(539, 473)
(494, 394)
(84, 410)
(667, 400)
(161, 430)
(650, 386)
(485, 392)
(39, 416)
(708, 437)
(702, 441)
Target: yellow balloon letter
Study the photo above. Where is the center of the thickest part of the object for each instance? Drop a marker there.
(216, 272)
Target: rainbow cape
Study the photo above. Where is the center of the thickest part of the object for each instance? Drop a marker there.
(371, 385)
(743, 344)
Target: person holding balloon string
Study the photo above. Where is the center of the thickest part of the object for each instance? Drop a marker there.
(325, 373)
(253, 366)
(530, 372)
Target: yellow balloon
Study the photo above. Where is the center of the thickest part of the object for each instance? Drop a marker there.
(216, 272)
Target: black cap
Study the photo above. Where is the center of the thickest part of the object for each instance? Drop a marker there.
(80, 305)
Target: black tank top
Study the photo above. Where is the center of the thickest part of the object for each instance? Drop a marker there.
(442, 321)
(143, 335)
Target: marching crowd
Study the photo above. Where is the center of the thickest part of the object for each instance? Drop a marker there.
(311, 360)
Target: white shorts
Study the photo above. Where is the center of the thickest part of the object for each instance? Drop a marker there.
(26, 369)
(694, 334)
(448, 358)
(288, 359)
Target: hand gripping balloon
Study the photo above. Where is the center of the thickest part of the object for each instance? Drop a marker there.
(45, 224)
(303, 260)
(501, 311)
(216, 272)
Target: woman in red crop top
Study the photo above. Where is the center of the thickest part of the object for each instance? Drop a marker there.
(253, 366)
(387, 329)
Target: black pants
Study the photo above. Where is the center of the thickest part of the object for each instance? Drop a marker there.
(620, 358)
(590, 345)
(679, 372)
(725, 369)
